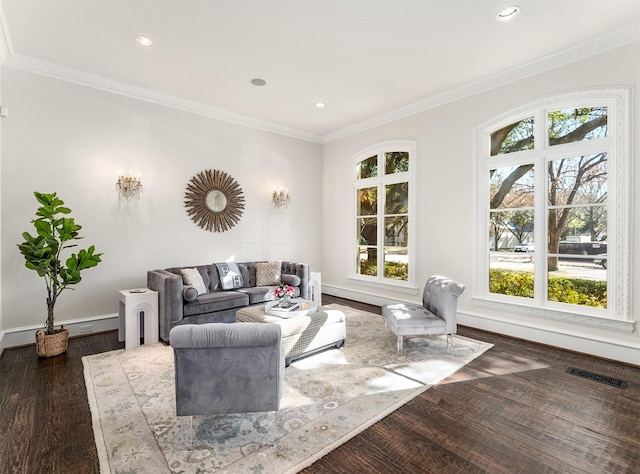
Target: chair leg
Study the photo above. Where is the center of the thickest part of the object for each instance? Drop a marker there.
(449, 342)
(400, 344)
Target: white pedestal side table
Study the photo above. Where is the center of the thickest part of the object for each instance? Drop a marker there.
(315, 282)
(136, 305)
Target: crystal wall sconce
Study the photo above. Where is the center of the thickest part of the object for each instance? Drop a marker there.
(280, 199)
(129, 185)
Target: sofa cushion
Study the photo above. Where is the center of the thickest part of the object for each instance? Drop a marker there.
(189, 293)
(268, 273)
(230, 276)
(216, 301)
(192, 277)
(213, 278)
(258, 294)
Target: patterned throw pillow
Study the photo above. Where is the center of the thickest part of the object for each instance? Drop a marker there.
(268, 273)
(230, 276)
(192, 277)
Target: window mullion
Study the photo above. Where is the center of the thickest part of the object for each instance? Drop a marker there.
(541, 240)
(381, 203)
(380, 215)
(541, 263)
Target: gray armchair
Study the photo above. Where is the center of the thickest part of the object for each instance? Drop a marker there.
(437, 315)
(227, 368)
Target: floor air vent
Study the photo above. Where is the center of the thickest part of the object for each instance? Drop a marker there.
(598, 378)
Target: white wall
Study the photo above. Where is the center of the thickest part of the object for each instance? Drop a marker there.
(446, 200)
(74, 139)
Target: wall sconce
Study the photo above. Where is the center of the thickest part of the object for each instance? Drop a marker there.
(280, 199)
(129, 185)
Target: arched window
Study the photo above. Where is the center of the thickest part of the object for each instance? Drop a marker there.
(383, 226)
(554, 209)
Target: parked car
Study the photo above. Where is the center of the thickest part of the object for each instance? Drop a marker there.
(524, 247)
(601, 261)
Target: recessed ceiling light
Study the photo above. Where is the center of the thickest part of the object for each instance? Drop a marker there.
(319, 104)
(508, 13)
(143, 40)
(258, 82)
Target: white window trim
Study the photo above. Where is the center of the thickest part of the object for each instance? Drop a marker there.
(377, 149)
(618, 314)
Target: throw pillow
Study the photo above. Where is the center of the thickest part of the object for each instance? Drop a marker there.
(192, 277)
(189, 293)
(268, 273)
(230, 276)
(246, 276)
(293, 280)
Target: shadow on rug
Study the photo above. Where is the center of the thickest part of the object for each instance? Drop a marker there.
(328, 398)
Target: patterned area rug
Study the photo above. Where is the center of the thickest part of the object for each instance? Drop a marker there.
(328, 398)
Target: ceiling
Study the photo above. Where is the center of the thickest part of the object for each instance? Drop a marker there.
(363, 59)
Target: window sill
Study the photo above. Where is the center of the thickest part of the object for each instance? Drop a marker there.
(570, 317)
(401, 287)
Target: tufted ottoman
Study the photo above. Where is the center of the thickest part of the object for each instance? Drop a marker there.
(302, 335)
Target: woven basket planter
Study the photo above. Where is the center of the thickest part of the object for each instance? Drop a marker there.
(49, 345)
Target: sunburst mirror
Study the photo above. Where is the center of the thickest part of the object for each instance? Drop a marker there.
(214, 200)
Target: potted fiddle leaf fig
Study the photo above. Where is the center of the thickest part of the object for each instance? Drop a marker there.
(43, 253)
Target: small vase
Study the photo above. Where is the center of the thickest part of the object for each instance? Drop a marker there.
(285, 301)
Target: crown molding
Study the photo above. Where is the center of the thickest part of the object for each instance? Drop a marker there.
(90, 80)
(575, 53)
(566, 56)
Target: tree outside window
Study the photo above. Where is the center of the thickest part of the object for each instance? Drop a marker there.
(383, 222)
(549, 186)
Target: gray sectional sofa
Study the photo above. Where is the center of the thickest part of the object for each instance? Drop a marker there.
(180, 301)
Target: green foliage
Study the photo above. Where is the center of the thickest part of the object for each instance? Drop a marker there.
(396, 162)
(42, 252)
(562, 123)
(581, 292)
(368, 168)
(511, 283)
(396, 198)
(395, 270)
(563, 290)
(368, 267)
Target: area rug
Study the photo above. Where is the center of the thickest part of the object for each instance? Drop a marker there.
(328, 398)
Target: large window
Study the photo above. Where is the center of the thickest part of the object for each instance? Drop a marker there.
(553, 201)
(383, 223)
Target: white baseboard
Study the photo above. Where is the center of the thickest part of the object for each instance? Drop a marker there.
(27, 334)
(353, 295)
(607, 348)
(601, 346)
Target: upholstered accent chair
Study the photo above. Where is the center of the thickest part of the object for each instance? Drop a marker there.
(227, 368)
(436, 316)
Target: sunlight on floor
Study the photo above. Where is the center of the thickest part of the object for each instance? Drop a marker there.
(493, 365)
(323, 359)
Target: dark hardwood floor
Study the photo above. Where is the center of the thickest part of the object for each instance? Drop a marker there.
(44, 413)
(512, 410)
